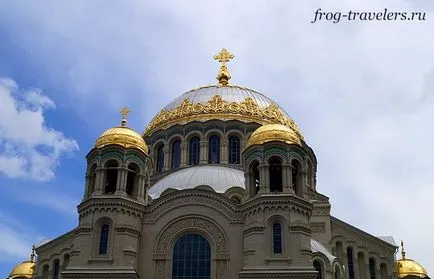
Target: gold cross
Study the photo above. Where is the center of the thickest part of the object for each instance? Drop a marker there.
(124, 112)
(223, 75)
(224, 56)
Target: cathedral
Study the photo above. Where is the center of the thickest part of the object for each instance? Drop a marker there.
(220, 185)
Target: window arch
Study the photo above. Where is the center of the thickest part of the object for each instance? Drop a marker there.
(194, 151)
(111, 177)
(296, 179)
(275, 168)
(234, 150)
(133, 171)
(372, 268)
(160, 158)
(56, 266)
(254, 182)
(176, 154)
(318, 267)
(277, 238)
(92, 179)
(350, 263)
(214, 149)
(104, 239)
(191, 258)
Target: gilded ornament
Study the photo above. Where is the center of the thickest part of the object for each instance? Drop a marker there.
(273, 132)
(218, 108)
(123, 136)
(223, 75)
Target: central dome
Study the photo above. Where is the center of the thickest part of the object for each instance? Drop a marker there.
(228, 102)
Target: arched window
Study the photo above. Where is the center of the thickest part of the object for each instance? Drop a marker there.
(275, 167)
(372, 268)
(296, 180)
(160, 158)
(350, 262)
(256, 181)
(214, 149)
(277, 238)
(194, 151)
(92, 179)
(317, 266)
(111, 178)
(56, 269)
(234, 150)
(133, 171)
(191, 258)
(103, 239)
(176, 154)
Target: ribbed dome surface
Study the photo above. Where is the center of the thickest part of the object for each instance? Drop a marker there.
(218, 177)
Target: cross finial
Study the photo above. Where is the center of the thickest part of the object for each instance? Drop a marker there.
(402, 249)
(223, 75)
(124, 112)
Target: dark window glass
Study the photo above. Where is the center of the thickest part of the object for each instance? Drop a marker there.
(111, 177)
(194, 151)
(176, 154)
(191, 258)
(214, 150)
(350, 262)
(317, 266)
(56, 269)
(160, 158)
(277, 238)
(234, 150)
(275, 175)
(372, 268)
(103, 240)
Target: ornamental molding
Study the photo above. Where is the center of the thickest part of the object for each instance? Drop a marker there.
(216, 107)
(215, 234)
(276, 202)
(193, 197)
(110, 205)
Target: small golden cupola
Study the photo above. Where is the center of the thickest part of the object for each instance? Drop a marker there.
(123, 136)
(26, 269)
(273, 132)
(408, 268)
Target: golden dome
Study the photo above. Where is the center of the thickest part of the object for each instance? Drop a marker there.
(408, 267)
(273, 132)
(222, 102)
(24, 269)
(123, 136)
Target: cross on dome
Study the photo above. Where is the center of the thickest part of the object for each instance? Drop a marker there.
(223, 75)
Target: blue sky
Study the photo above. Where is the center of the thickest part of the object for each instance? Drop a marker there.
(361, 92)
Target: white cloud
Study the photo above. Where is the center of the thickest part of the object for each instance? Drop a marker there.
(28, 148)
(361, 91)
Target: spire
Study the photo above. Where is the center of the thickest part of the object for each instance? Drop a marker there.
(33, 255)
(124, 112)
(223, 75)
(402, 249)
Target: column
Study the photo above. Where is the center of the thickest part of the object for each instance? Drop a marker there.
(264, 179)
(287, 178)
(184, 155)
(166, 157)
(99, 181)
(141, 187)
(203, 151)
(87, 187)
(224, 158)
(248, 183)
(121, 183)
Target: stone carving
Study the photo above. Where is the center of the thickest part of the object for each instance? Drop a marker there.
(160, 269)
(222, 269)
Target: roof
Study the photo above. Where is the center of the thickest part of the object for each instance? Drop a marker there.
(218, 177)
